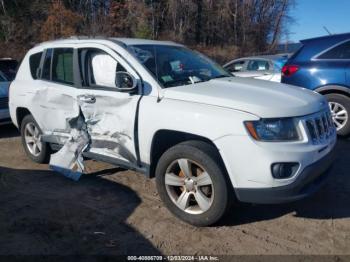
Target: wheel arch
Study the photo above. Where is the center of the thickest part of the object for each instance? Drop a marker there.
(334, 89)
(164, 139)
(21, 113)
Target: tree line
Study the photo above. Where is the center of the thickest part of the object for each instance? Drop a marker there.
(221, 28)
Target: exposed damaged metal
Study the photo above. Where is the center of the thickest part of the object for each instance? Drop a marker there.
(69, 159)
(92, 130)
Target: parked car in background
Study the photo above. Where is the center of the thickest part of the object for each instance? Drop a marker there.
(166, 111)
(322, 64)
(8, 66)
(259, 67)
(8, 69)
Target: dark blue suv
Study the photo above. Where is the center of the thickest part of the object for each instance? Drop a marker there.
(323, 64)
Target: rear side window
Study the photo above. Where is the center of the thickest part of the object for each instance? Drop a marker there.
(46, 74)
(62, 66)
(341, 51)
(34, 64)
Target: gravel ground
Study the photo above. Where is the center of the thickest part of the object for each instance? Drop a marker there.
(116, 212)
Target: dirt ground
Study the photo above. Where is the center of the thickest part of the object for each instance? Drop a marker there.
(115, 212)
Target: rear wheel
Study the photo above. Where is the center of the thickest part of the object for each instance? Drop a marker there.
(192, 184)
(31, 139)
(340, 109)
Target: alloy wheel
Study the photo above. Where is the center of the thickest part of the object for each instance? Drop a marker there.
(339, 115)
(32, 139)
(189, 186)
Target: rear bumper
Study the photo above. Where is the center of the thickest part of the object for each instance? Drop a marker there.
(308, 182)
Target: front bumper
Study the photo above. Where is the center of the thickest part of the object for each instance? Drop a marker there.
(307, 182)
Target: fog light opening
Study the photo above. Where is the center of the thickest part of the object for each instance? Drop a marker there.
(284, 170)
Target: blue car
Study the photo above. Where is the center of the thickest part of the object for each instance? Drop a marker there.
(8, 68)
(323, 64)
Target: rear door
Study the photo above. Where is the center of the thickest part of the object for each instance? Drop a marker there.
(53, 100)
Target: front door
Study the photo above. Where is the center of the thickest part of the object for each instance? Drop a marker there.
(109, 114)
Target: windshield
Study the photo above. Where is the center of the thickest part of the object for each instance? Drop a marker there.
(177, 65)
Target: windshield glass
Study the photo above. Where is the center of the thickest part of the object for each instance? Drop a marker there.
(177, 65)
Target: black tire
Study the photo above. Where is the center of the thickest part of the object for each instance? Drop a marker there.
(207, 156)
(44, 156)
(345, 102)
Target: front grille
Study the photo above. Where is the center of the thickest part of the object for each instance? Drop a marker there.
(4, 102)
(320, 127)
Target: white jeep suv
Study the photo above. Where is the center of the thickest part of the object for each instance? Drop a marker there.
(161, 109)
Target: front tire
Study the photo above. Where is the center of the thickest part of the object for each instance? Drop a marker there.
(192, 183)
(36, 150)
(340, 109)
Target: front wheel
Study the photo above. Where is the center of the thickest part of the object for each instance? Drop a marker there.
(192, 184)
(340, 109)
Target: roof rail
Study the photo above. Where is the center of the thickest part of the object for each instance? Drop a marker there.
(84, 37)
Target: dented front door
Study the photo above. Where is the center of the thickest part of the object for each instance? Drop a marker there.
(110, 119)
(109, 114)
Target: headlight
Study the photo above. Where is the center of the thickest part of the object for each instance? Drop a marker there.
(275, 130)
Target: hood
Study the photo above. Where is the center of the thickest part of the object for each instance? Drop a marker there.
(261, 98)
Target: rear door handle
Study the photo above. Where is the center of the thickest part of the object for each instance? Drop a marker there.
(87, 99)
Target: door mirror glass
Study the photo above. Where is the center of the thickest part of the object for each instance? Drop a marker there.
(125, 82)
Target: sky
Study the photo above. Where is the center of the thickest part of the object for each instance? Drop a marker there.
(311, 15)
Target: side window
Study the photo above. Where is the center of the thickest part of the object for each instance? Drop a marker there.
(62, 66)
(258, 65)
(34, 63)
(341, 51)
(46, 74)
(237, 66)
(98, 69)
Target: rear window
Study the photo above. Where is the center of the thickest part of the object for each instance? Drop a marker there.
(341, 51)
(34, 63)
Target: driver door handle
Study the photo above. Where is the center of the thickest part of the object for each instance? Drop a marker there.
(90, 99)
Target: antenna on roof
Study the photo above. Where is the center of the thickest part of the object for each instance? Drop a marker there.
(326, 29)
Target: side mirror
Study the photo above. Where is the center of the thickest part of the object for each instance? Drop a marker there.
(125, 82)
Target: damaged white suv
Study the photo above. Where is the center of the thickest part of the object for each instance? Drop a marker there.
(161, 109)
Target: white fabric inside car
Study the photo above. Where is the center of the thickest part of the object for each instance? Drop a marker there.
(104, 68)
